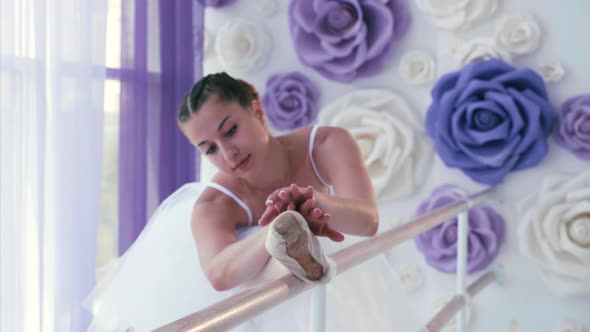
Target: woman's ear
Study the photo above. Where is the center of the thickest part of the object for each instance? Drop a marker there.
(258, 112)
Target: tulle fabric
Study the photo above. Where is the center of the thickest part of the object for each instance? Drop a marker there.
(159, 280)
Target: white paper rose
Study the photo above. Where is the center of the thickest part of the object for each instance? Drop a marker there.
(417, 67)
(268, 8)
(409, 277)
(552, 72)
(518, 33)
(569, 326)
(242, 47)
(457, 14)
(390, 137)
(440, 302)
(478, 49)
(554, 232)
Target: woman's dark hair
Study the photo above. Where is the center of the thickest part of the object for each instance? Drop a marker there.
(227, 89)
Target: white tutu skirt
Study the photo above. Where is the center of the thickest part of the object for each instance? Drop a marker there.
(159, 280)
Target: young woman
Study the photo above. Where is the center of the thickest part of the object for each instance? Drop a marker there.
(318, 172)
(222, 117)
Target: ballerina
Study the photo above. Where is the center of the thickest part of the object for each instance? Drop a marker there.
(316, 174)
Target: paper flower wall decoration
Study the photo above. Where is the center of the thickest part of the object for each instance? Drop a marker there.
(344, 40)
(242, 47)
(490, 119)
(396, 153)
(574, 126)
(439, 244)
(457, 14)
(554, 232)
(290, 100)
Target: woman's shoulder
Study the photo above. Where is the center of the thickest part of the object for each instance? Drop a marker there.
(323, 134)
(329, 138)
(212, 199)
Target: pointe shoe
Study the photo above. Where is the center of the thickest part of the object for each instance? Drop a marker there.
(290, 241)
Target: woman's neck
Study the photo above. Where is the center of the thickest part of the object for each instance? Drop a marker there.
(280, 169)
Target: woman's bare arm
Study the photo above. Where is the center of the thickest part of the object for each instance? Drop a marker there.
(226, 261)
(353, 207)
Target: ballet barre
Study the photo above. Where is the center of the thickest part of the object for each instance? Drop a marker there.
(236, 309)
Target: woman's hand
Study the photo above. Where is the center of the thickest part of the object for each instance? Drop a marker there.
(301, 200)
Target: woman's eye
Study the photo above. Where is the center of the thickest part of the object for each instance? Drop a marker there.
(231, 131)
(211, 149)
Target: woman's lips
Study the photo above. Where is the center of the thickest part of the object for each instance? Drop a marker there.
(242, 164)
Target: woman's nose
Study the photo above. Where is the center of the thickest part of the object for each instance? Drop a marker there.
(229, 152)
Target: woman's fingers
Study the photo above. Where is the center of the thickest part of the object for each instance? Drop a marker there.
(267, 216)
(333, 234)
(295, 192)
(306, 207)
(316, 213)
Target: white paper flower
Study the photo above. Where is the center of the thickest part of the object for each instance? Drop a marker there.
(457, 14)
(410, 277)
(268, 8)
(569, 326)
(518, 34)
(242, 47)
(390, 136)
(417, 67)
(440, 302)
(478, 49)
(552, 72)
(554, 232)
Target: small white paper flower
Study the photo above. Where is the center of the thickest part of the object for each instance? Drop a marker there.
(390, 136)
(440, 302)
(457, 14)
(417, 67)
(552, 72)
(478, 49)
(518, 34)
(242, 47)
(268, 8)
(569, 326)
(410, 277)
(554, 232)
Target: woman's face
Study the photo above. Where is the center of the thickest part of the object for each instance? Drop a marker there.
(232, 137)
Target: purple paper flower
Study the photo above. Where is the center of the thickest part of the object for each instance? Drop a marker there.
(574, 126)
(344, 40)
(489, 119)
(216, 3)
(439, 244)
(290, 100)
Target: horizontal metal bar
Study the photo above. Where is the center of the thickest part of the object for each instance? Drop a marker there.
(457, 303)
(240, 307)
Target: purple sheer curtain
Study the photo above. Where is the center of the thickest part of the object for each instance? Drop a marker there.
(156, 71)
(177, 156)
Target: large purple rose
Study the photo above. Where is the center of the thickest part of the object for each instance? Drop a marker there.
(574, 126)
(346, 39)
(439, 244)
(489, 119)
(216, 3)
(290, 100)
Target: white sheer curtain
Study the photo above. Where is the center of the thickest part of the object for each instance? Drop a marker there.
(51, 92)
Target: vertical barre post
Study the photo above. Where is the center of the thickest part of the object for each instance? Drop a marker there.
(318, 309)
(462, 233)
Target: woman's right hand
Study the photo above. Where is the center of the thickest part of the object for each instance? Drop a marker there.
(301, 200)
